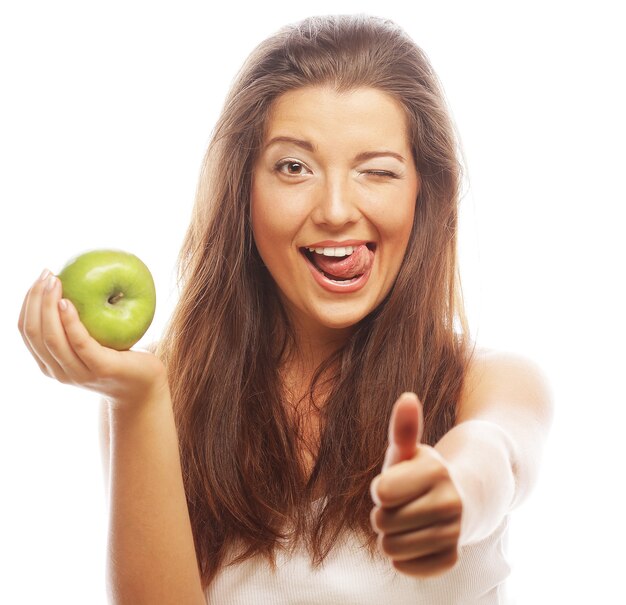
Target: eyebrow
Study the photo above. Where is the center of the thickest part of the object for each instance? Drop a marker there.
(364, 155)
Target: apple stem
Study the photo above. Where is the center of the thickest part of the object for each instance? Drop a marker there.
(115, 298)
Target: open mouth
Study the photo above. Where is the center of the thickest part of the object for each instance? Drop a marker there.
(342, 269)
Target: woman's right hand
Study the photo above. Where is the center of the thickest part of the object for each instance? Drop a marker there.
(64, 350)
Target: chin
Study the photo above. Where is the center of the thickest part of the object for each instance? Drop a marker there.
(340, 325)
(340, 321)
(330, 316)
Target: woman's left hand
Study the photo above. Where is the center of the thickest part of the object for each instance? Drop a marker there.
(418, 504)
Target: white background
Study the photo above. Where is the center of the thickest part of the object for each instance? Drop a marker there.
(106, 110)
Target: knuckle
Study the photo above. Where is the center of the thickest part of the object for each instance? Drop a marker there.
(451, 557)
(373, 522)
(383, 491)
(451, 506)
(51, 340)
(447, 500)
(30, 332)
(439, 471)
(385, 545)
(450, 532)
(57, 376)
(80, 344)
(401, 566)
(390, 546)
(453, 502)
(379, 542)
(379, 520)
(64, 378)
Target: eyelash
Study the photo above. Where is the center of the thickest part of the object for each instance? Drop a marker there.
(381, 173)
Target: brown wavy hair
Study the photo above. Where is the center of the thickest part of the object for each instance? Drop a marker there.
(239, 449)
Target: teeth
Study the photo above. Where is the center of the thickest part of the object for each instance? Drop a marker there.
(341, 251)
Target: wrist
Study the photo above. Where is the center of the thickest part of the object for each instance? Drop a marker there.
(153, 395)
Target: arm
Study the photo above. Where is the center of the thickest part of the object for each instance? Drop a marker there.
(105, 448)
(480, 461)
(150, 556)
(494, 450)
(429, 501)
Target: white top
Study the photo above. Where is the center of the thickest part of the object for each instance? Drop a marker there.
(349, 576)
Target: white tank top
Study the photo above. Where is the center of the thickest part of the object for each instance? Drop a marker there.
(351, 577)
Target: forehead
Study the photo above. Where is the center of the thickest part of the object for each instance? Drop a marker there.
(364, 116)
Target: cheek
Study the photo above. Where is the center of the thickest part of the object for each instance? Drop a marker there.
(275, 218)
(263, 218)
(273, 228)
(395, 223)
(394, 227)
(261, 222)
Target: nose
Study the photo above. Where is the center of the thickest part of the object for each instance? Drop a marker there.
(336, 204)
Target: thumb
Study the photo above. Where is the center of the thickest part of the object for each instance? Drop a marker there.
(405, 429)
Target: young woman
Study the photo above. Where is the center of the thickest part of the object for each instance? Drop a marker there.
(315, 425)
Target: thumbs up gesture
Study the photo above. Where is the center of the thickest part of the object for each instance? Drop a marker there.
(418, 506)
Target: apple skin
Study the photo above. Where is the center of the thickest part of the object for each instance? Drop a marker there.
(114, 294)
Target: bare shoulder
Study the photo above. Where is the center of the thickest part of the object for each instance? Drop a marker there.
(500, 380)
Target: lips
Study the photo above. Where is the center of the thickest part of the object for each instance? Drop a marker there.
(327, 243)
(344, 267)
(356, 268)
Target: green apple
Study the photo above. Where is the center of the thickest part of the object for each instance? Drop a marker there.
(113, 292)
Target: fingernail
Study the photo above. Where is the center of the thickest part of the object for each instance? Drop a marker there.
(52, 280)
(63, 304)
(44, 274)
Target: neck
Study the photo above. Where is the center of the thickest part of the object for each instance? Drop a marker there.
(310, 346)
(306, 353)
(314, 344)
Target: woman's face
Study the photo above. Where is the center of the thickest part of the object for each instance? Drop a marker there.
(351, 182)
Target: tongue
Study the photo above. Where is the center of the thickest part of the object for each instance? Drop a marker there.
(347, 267)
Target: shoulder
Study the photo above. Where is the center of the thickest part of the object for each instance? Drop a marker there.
(510, 391)
(498, 379)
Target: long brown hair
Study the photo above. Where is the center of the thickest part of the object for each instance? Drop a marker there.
(239, 449)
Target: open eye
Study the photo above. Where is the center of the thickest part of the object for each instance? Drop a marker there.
(279, 165)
